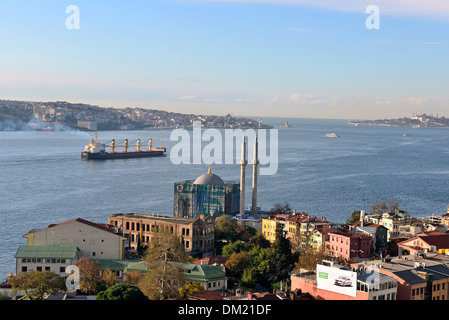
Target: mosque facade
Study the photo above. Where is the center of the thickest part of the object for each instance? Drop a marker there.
(207, 195)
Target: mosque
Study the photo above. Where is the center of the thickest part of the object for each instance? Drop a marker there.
(209, 195)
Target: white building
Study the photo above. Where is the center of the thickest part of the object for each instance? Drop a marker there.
(53, 258)
(94, 240)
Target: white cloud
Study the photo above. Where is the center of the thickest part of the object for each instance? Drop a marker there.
(187, 97)
(390, 7)
(432, 43)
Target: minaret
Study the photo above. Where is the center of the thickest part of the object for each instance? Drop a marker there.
(255, 164)
(243, 163)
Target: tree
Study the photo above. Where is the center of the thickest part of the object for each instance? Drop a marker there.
(309, 258)
(281, 209)
(237, 263)
(163, 260)
(89, 273)
(248, 278)
(36, 284)
(379, 208)
(190, 288)
(133, 277)
(259, 240)
(109, 277)
(235, 247)
(225, 228)
(355, 216)
(281, 259)
(121, 292)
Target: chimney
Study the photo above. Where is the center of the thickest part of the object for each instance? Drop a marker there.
(362, 217)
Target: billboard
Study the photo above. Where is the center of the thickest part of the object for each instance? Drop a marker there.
(336, 280)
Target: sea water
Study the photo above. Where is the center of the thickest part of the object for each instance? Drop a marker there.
(44, 181)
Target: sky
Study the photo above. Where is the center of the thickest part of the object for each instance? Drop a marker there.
(268, 58)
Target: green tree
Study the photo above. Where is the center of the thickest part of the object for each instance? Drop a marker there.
(281, 259)
(163, 259)
(235, 247)
(259, 240)
(237, 263)
(281, 209)
(35, 284)
(248, 278)
(225, 228)
(121, 292)
(190, 288)
(355, 216)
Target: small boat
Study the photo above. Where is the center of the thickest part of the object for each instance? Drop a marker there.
(332, 135)
(286, 125)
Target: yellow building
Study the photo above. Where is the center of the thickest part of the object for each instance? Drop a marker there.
(271, 223)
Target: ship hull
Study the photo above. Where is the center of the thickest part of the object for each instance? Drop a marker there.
(122, 155)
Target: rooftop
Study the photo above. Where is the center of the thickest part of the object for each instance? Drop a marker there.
(54, 251)
(153, 217)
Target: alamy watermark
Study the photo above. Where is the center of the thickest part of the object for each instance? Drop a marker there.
(221, 146)
(373, 20)
(73, 20)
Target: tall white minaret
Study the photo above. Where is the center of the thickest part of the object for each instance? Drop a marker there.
(243, 163)
(255, 165)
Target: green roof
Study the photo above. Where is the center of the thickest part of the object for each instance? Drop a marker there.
(193, 272)
(122, 265)
(203, 273)
(53, 251)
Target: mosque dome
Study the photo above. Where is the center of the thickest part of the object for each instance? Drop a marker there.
(209, 179)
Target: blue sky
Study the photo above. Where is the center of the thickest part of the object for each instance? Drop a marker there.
(286, 58)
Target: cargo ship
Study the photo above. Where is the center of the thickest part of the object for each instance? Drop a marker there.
(96, 150)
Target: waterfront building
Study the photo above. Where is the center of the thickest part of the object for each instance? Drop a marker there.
(94, 240)
(197, 234)
(207, 195)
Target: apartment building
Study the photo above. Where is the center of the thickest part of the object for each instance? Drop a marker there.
(419, 278)
(348, 245)
(197, 234)
(369, 285)
(271, 223)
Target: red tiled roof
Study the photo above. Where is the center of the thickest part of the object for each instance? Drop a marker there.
(212, 260)
(207, 295)
(440, 241)
(102, 226)
(350, 235)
